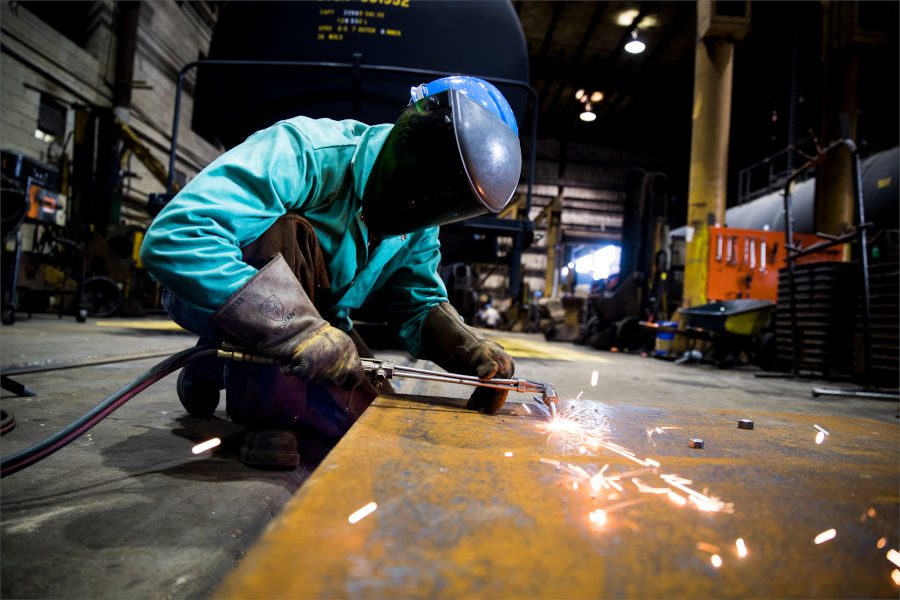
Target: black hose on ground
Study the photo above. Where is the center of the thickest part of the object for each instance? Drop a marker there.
(19, 460)
(7, 422)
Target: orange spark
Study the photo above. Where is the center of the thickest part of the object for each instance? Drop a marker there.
(828, 534)
(716, 560)
(701, 502)
(362, 513)
(580, 422)
(679, 500)
(621, 505)
(207, 445)
(599, 481)
(711, 548)
(623, 452)
(894, 556)
(563, 424)
(881, 543)
(508, 454)
(578, 471)
(597, 517)
(741, 547)
(872, 512)
(895, 575)
(595, 376)
(646, 489)
(654, 430)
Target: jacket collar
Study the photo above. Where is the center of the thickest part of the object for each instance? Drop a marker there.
(370, 143)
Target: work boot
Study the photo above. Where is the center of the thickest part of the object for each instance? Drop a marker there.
(270, 449)
(198, 386)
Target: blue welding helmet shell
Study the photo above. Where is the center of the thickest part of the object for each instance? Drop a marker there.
(479, 90)
(448, 158)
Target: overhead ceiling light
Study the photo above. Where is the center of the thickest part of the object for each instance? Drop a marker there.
(648, 21)
(627, 17)
(588, 114)
(596, 97)
(635, 46)
(579, 94)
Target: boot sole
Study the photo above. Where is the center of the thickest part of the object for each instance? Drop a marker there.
(269, 459)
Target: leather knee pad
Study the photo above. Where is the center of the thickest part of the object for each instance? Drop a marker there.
(263, 397)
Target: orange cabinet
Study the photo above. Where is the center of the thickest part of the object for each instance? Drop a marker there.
(744, 263)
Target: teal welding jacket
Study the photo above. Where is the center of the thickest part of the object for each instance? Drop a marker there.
(317, 168)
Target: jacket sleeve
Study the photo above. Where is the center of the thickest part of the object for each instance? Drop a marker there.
(194, 245)
(415, 288)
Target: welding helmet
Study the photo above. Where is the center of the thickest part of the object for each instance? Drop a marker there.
(483, 92)
(449, 157)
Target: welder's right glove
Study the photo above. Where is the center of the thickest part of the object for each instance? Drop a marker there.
(272, 315)
(458, 348)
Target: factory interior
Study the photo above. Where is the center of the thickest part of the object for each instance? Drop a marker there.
(450, 299)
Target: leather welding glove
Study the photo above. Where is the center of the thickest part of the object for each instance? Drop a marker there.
(458, 348)
(272, 315)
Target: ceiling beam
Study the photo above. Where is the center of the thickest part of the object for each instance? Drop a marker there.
(596, 19)
(650, 65)
(545, 45)
(551, 29)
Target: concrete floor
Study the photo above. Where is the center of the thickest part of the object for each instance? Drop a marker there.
(127, 510)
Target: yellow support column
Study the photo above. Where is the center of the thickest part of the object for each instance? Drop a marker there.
(714, 60)
(709, 160)
(554, 234)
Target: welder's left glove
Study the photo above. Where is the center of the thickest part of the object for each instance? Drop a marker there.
(272, 315)
(458, 348)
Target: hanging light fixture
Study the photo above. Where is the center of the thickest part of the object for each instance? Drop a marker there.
(588, 115)
(588, 99)
(626, 17)
(635, 46)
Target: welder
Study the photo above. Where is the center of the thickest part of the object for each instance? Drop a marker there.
(274, 244)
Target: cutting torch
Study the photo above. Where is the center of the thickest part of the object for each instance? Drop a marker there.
(382, 370)
(376, 370)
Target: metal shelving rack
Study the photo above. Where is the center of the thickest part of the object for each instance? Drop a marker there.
(857, 237)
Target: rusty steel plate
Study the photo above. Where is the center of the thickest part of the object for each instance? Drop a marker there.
(475, 506)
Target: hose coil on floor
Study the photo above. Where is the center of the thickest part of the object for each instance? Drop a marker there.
(7, 422)
(24, 458)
